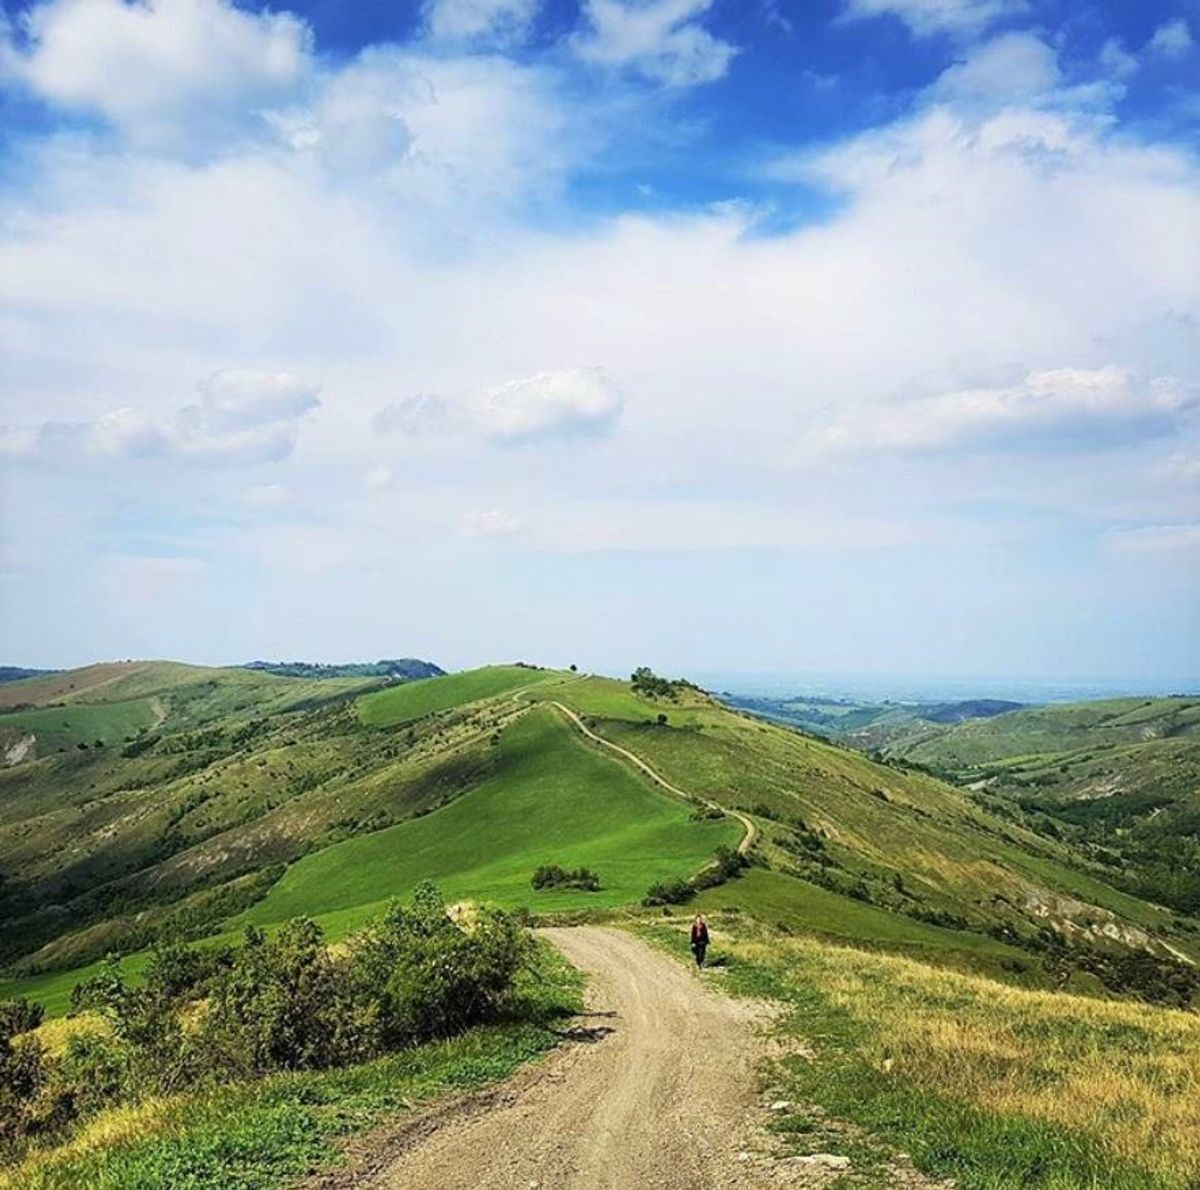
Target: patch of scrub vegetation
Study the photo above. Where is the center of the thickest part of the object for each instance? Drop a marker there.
(182, 1081)
(995, 1086)
(412, 700)
(556, 876)
(552, 799)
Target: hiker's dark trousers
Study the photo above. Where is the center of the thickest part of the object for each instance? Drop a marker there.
(699, 948)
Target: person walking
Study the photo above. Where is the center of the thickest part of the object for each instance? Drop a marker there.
(699, 938)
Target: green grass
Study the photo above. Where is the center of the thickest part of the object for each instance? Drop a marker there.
(607, 698)
(270, 1133)
(780, 900)
(1000, 1088)
(412, 700)
(553, 799)
(60, 727)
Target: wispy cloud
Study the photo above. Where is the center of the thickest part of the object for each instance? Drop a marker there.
(927, 17)
(663, 40)
(1157, 539)
(1172, 39)
(1063, 409)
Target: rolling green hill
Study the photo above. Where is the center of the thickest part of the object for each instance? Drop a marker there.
(256, 797)
(551, 799)
(1119, 779)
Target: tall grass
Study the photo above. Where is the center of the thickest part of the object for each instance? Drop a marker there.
(996, 1085)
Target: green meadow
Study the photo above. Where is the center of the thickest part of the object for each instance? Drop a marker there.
(553, 799)
(412, 700)
(81, 723)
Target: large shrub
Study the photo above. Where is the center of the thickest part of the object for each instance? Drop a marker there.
(282, 1004)
(437, 977)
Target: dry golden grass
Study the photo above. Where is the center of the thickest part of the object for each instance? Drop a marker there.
(55, 1033)
(117, 1125)
(1126, 1073)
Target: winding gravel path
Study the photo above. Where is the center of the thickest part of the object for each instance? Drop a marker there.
(657, 1090)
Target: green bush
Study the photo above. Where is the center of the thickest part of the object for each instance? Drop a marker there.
(437, 978)
(554, 876)
(19, 1016)
(279, 1004)
(669, 892)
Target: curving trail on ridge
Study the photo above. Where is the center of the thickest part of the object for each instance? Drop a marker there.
(748, 839)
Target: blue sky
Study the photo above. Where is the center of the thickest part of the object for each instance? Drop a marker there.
(851, 335)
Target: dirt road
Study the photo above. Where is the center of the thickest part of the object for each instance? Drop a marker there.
(659, 1091)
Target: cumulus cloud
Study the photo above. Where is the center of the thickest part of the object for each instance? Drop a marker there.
(660, 39)
(242, 417)
(1067, 408)
(1010, 68)
(926, 17)
(454, 20)
(1171, 40)
(166, 73)
(570, 403)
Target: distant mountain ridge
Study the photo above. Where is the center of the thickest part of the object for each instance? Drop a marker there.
(17, 673)
(405, 669)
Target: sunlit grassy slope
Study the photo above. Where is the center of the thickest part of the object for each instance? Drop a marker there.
(401, 704)
(81, 723)
(996, 1086)
(552, 799)
(906, 836)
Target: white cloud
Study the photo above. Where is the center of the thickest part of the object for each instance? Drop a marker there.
(926, 17)
(569, 403)
(378, 478)
(1117, 61)
(1011, 68)
(433, 129)
(242, 417)
(1172, 39)
(1157, 539)
(660, 39)
(490, 522)
(454, 20)
(126, 432)
(167, 73)
(1067, 409)
(232, 400)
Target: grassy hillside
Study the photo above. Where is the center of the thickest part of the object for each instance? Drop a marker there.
(414, 700)
(551, 799)
(260, 797)
(1062, 731)
(993, 1086)
(1118, 779)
